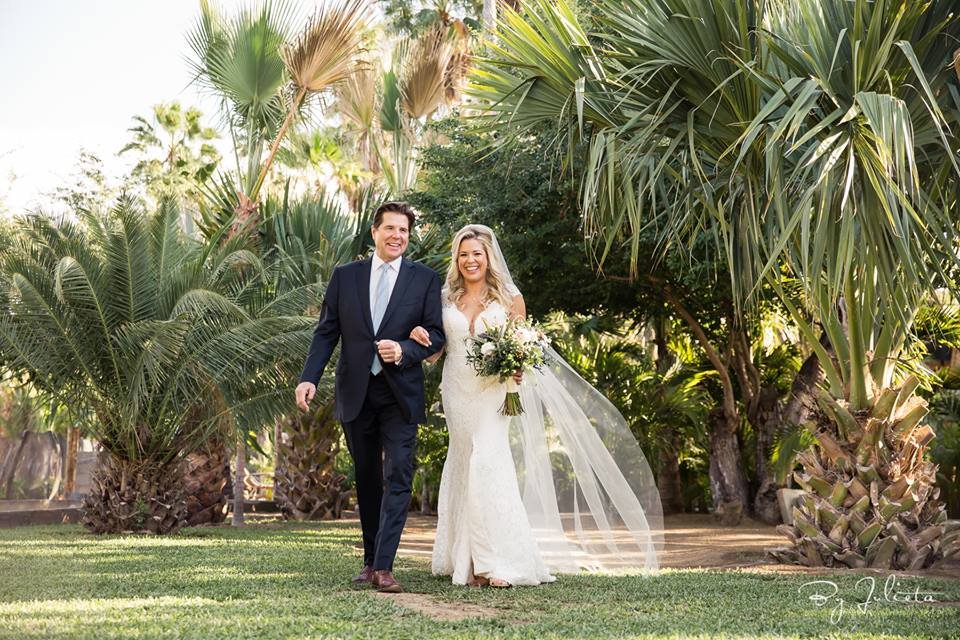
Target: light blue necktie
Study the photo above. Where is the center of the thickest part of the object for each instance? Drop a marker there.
(381, 297)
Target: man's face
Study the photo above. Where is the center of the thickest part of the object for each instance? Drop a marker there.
(392, 236)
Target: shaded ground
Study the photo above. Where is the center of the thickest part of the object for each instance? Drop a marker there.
(691, 541)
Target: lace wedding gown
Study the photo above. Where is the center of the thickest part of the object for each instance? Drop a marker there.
(481, 517)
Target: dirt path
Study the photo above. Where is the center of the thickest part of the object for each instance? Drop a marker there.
(690, 540)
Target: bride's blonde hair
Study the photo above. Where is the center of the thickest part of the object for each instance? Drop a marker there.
(497, 289)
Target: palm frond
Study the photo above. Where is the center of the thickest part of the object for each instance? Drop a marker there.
(155, 335)
(324, 52)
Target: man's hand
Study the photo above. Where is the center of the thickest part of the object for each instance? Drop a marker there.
(305, 393)
(390, 351)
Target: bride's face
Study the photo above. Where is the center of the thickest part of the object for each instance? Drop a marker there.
(472, 260)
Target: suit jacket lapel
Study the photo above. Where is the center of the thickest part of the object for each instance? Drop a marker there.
(403, 280)
(363, 291)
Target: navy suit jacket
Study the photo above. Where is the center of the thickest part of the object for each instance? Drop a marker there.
(345, 317)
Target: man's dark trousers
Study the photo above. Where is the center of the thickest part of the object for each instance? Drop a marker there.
(383, 491)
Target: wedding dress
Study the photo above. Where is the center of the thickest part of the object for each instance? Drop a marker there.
(563, 487)
(481, 518)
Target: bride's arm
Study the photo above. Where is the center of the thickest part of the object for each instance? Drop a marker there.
(519, 308)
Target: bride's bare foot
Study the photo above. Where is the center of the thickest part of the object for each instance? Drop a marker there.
(498, 583)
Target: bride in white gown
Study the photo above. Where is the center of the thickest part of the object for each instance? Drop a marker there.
(588, 499)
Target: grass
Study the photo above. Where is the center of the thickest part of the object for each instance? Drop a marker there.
(292, 581)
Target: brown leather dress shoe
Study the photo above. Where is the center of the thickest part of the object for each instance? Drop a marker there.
(365, 576)
(384, 581)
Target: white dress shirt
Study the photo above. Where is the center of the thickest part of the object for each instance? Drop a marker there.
(392, 274)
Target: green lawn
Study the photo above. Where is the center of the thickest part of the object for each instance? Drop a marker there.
(291, 581)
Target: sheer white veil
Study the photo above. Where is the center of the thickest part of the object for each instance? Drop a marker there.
(587, 487)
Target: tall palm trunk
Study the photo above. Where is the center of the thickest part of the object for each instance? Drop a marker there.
(668, 467)
(70, 462)
(238, 483)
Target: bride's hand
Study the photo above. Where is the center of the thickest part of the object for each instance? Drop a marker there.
(518, 376)
(420, 336)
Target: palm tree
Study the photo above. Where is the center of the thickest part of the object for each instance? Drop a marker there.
(175, 151)
(164, 341)
(815, 138)
(264, 69)
(385, 111)
(543, 68)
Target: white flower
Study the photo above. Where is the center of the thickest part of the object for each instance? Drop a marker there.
(527, 335)
(487, 348)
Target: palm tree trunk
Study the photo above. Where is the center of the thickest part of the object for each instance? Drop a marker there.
(728, 483)
(238, 483)
(294, 107)
(11, 471)
(668, 467)
(70, 467)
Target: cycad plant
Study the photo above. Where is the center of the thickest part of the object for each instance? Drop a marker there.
(163, 341)
(812, 138)
(306, 484)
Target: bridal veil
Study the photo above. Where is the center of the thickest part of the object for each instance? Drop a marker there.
(587, 487)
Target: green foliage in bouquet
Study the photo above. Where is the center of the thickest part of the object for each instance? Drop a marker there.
(502, 351)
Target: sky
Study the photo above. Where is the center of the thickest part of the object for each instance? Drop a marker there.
(75, 74)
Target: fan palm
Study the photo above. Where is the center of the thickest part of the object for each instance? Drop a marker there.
(263, 69)
(815, 137)
(323, 55)
(237, 60)
(165, 341)
(424, 77)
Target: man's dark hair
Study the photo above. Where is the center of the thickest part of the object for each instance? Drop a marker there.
(394, 207)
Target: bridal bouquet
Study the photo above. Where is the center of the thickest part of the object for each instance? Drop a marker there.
(504, 350)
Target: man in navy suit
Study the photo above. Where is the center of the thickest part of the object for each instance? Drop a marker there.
(370, 307)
